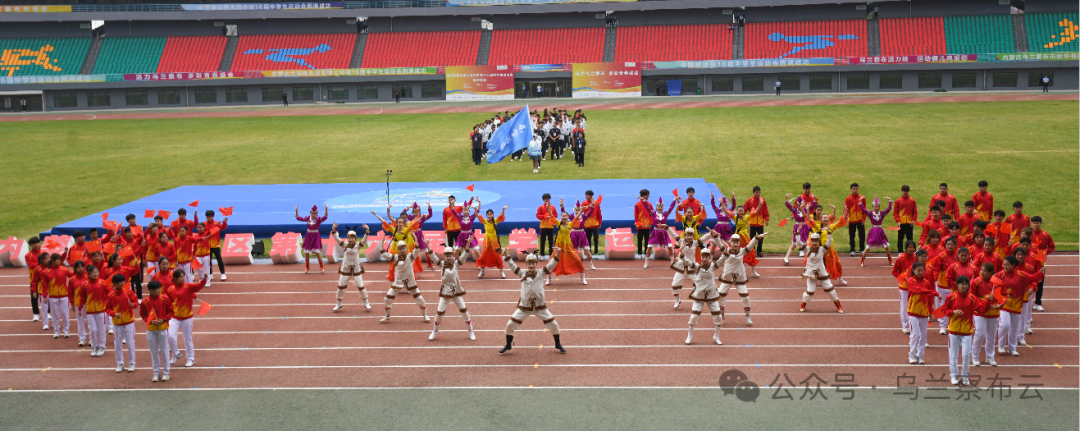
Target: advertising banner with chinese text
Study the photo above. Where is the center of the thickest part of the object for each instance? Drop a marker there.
(607, 79)
(479, 82)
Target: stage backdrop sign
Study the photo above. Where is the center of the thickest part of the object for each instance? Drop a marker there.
(607, 79)
(479, 82)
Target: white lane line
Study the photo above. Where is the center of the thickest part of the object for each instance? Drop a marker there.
(511, 303)
(397, 388)
(496, 347)
(506, 366)
(425, 331)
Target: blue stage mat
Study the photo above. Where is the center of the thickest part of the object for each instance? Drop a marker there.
(265, 209)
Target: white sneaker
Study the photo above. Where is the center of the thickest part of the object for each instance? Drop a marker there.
(922, 362)
(843, 282)
(208, 282)
(591, 266)
(678, 301)
(1021, 342)
(583, 279)
(535, 171)
(689, 335)
(155, 379)
(174, 360)
(165, 378)
(991, 362)
(131, 368)
(56, 335)
(37, 318)
(716, 338)
(472, 336)
(45, 327)
(110, 332)
(189, 362)
(367, 305)
(1001, 349)
(1038, 307)
(954, 380)
(786, 263)
(802, 253)
(481, 273)
(911, 360)
(853, 255)
(119, 368)
(1026, 331)
(905, 330)
(975, 362)
(964, 381)
(223, 277)
(502, 273)
(385, 319)
(432, 336)
(942, 331)
(1014, 353)
(81, 343)
(547, 282)
(748, 321)
(646, 262)
(338, 306)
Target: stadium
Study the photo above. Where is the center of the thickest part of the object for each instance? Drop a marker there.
(791, 149)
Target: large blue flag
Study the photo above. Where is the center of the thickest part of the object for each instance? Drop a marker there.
(511, 136)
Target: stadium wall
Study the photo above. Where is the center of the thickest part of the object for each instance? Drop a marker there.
(432, 88)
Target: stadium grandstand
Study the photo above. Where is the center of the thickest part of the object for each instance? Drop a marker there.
(75, 46)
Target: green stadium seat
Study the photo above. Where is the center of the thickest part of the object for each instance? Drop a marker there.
(42, 56)
(981, 34)
(130, 55)
(1052, 32)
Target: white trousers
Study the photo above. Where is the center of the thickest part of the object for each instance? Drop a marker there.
(159, 353)
(444, 302)
(186, 267)
(80, 322)
(942, 294)
(184, 327)
(917, 336)
(743, 293)
(714, 308)
(392, 293)
(58, 310)
(96, 324)
(903, 308)
(519, 317)
(204, 270)
(1009, 330)
(811, 287)
(677, 282)
(43, 308)
(1025, 315)
(959, 345)
(123, 333)
(343, 285)
(985, 335)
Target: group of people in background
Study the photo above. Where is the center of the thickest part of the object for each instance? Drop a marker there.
(100, 279)
(554, 132)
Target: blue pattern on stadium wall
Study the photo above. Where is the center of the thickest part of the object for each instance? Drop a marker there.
(809, 42)
(287, 55)
(376, 201)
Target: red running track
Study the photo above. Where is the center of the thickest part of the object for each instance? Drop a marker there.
(272, 326)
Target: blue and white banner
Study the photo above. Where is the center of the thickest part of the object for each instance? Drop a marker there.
(263, 6)
(510, 137)
(716, 64)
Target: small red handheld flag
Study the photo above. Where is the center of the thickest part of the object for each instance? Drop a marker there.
(126, 252)
(109, 248)
(196, 264)
(148, 214)
(225, 211)
(599, 199)
(194, 204)
(104, 216)
(939, 313)
(93, 246)
(151, 317)
(893, 228)
(675, 192)
(164, 214)
(109, 225)
(204, 308)
(469, 187)
(136, 230)
(783, 222)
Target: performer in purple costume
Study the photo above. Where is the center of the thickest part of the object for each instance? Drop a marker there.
(800, 232)
(660, 237)
(313, 239)
(876, 238)
(577, 232)
(419, 234)
(467, 240)
(723, 220)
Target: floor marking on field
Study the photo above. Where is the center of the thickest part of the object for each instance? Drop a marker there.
(47, 369)
(1056, 365)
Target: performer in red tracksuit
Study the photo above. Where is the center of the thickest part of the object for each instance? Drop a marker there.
(960, 307)
(183, 297)
(121, 305)
(157, 311)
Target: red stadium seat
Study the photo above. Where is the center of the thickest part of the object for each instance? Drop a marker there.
(913, 36)
(192, 54)
(547, 46)
(294, 52)
(673, 43)
(416, 49)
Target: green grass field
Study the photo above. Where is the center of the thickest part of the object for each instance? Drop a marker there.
(58, 171)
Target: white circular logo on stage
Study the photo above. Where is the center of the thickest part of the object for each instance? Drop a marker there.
(400, 198)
